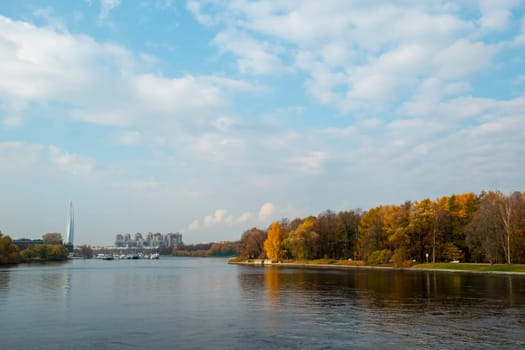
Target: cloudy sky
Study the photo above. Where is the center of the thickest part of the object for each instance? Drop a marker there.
(211, 117)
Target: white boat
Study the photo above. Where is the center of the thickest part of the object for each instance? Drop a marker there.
(154, 256)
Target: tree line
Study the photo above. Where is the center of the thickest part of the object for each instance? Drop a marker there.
(52, 249)
(489, 227)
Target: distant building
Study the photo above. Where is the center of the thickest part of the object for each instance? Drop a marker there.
(152, 240)
(172, 239)
(25, 243)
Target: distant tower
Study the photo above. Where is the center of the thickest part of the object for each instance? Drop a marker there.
(70, 224)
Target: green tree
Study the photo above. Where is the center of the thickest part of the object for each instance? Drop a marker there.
(40, 251)
(302, 241)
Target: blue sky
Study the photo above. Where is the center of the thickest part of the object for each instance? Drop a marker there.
(211, 117)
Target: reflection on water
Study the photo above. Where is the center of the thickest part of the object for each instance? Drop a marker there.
(407, 308)
(272, 288)
(4, 286)
(203, 303)
(418, 291)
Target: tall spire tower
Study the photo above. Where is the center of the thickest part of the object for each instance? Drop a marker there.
(70, 224)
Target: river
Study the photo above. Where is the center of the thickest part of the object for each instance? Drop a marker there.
(195, 303)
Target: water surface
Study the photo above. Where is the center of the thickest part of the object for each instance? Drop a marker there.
(191, 303)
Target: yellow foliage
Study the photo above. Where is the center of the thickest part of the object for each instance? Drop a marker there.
(273, 246)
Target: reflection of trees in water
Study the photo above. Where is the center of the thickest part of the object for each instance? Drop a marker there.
(56, 282)
(272, 287)
(4, 285)
(439, 292)
(434, 293)
(251, 281)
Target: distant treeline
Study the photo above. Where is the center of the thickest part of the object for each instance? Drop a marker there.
(489, 227)
(51, 250)
(223, 249)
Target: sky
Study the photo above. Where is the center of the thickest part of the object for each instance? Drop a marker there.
(212, 117)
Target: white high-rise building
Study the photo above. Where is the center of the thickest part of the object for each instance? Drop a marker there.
(70, 224)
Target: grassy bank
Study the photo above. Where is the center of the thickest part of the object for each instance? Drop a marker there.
(472, 267)
(327, 263)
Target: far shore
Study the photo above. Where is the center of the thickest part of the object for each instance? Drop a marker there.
(479, 268)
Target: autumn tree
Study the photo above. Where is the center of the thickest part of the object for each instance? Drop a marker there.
(420, 229)
(52, 238)
(302, 242)
(461, 209)
(325, 227)
(484, 232)
(372, 232)
(347, 231)
(273, 245)
(251, 244)
(9, 252)
(396, 222)
(86, 251)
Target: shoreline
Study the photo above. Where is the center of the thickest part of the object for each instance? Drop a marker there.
(356, 267)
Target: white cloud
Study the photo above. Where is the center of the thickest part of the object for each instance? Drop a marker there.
(245, 217)
(106, 6)
(217, 218)
(71, 163)
(195, 225)
(495, 14)
(358, 56)
(266, 211)
(311, 163)
(253, 56)
(104, 83)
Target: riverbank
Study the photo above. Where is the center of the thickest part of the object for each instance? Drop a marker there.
(472, 267)
(441, 267)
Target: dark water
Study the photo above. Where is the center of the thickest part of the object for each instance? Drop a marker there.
(179, 303)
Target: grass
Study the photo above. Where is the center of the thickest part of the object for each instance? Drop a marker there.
(329, 262)
(473, 267)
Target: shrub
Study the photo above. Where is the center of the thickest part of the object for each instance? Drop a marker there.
(378, 257)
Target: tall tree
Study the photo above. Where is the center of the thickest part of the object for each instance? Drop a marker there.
(485, 229)
(420, 229)
(347, 230)
(373, 236)
(325, 227)
(273, 245)
(396, 223)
